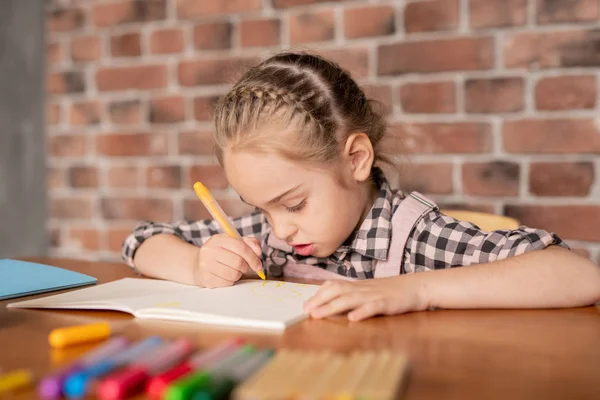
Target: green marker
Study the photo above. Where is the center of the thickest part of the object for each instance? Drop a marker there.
(184, 389)
(225, 380)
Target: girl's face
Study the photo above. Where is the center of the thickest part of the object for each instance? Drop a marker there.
(307, 207)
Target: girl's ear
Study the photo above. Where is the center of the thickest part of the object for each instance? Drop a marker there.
(360, 155)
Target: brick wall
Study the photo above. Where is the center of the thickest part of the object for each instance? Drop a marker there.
(495, 101)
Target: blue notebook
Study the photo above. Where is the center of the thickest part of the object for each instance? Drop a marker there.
(22, 278)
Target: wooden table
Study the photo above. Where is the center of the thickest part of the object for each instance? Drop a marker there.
(481, 354)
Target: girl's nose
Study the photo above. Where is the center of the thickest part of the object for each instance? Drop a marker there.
(283, 229)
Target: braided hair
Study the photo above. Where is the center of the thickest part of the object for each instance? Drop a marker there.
(299, 105)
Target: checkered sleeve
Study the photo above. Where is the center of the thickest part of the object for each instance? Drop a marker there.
(196, 233)
(439, 241)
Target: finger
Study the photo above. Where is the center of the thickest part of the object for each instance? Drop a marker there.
(367, 310)
(327, 292)
(215, 281)
(254, 245)
(233, 261)
(340, 304)
(227, 273)
(240, 248)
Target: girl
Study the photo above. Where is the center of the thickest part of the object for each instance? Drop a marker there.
(299, 141)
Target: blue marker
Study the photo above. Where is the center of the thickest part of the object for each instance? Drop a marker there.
(77, 384)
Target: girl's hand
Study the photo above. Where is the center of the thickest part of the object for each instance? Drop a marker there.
(364, 299)
(223, 260)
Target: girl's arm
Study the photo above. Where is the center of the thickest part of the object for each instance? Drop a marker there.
(549, 278)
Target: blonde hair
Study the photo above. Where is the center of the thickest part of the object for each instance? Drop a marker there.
(298, 105)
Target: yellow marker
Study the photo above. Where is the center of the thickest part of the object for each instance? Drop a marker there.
(16, 379)
(218, 214)
(63, 337)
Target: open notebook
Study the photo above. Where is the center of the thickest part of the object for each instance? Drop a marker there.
(249, 303)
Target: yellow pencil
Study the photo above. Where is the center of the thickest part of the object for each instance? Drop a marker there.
(14, 380)
(218, 214)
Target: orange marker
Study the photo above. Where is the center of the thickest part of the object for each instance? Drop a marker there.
(218, 214)
(73, 335)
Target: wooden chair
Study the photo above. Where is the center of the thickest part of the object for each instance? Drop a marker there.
(485, 221)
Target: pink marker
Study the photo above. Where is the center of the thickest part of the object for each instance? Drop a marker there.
(159, 383)
(131, 380)
(51, 386)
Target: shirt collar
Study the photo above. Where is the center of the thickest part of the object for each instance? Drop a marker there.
(372, 239)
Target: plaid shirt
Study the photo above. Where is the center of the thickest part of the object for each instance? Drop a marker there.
(436, 242)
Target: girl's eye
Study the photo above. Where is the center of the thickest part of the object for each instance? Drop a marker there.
(297, 207)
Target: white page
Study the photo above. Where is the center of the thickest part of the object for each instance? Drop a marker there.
(250, 303)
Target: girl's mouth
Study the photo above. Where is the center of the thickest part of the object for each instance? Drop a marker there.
(303, 249)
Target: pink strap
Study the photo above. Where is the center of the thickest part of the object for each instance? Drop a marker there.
(409, 211)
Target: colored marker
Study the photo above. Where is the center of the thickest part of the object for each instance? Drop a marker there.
(132, 379)
(15, 380)
(219, 215)
(63, 337)
(51, 386)
(185, 388)
(79, 383)
(223, 382)
(158, 384)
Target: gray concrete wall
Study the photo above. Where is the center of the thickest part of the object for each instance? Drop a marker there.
(22, 145)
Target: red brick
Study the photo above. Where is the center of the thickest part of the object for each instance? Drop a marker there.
(354, 60)
(435, 15)
(85, 113)
(552, 11)
(164, 176)
(293, 3)
(212, 176)
(439, 138)
(54, 53)
(561, 178)
(71, 207)
(497, 13)
(126, 112)
(63, 20)
(53, 113)
(167, 41)
(195, 8)
(574, 48)
(124, 177)
(552, 136)
(203, 107)
(124, 78)
(213, 36)
(196, 142)
(232, 207)
(369, 22)
(466, 54)
(381, 94)
(427, 178)
(67, 146)
(116, 236)
(65, 82)
(144, 208)
(260, 32)
(126, 45)
(124, 12)
(132, 144)
(213, 71)
(428, 97)
(55, 177)
(496, 178)
(309, 27)
(83, 239)
(83, 177)
(576, 222)
(86, 48)
(167, 110)
(497, 95)
(566, 93)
